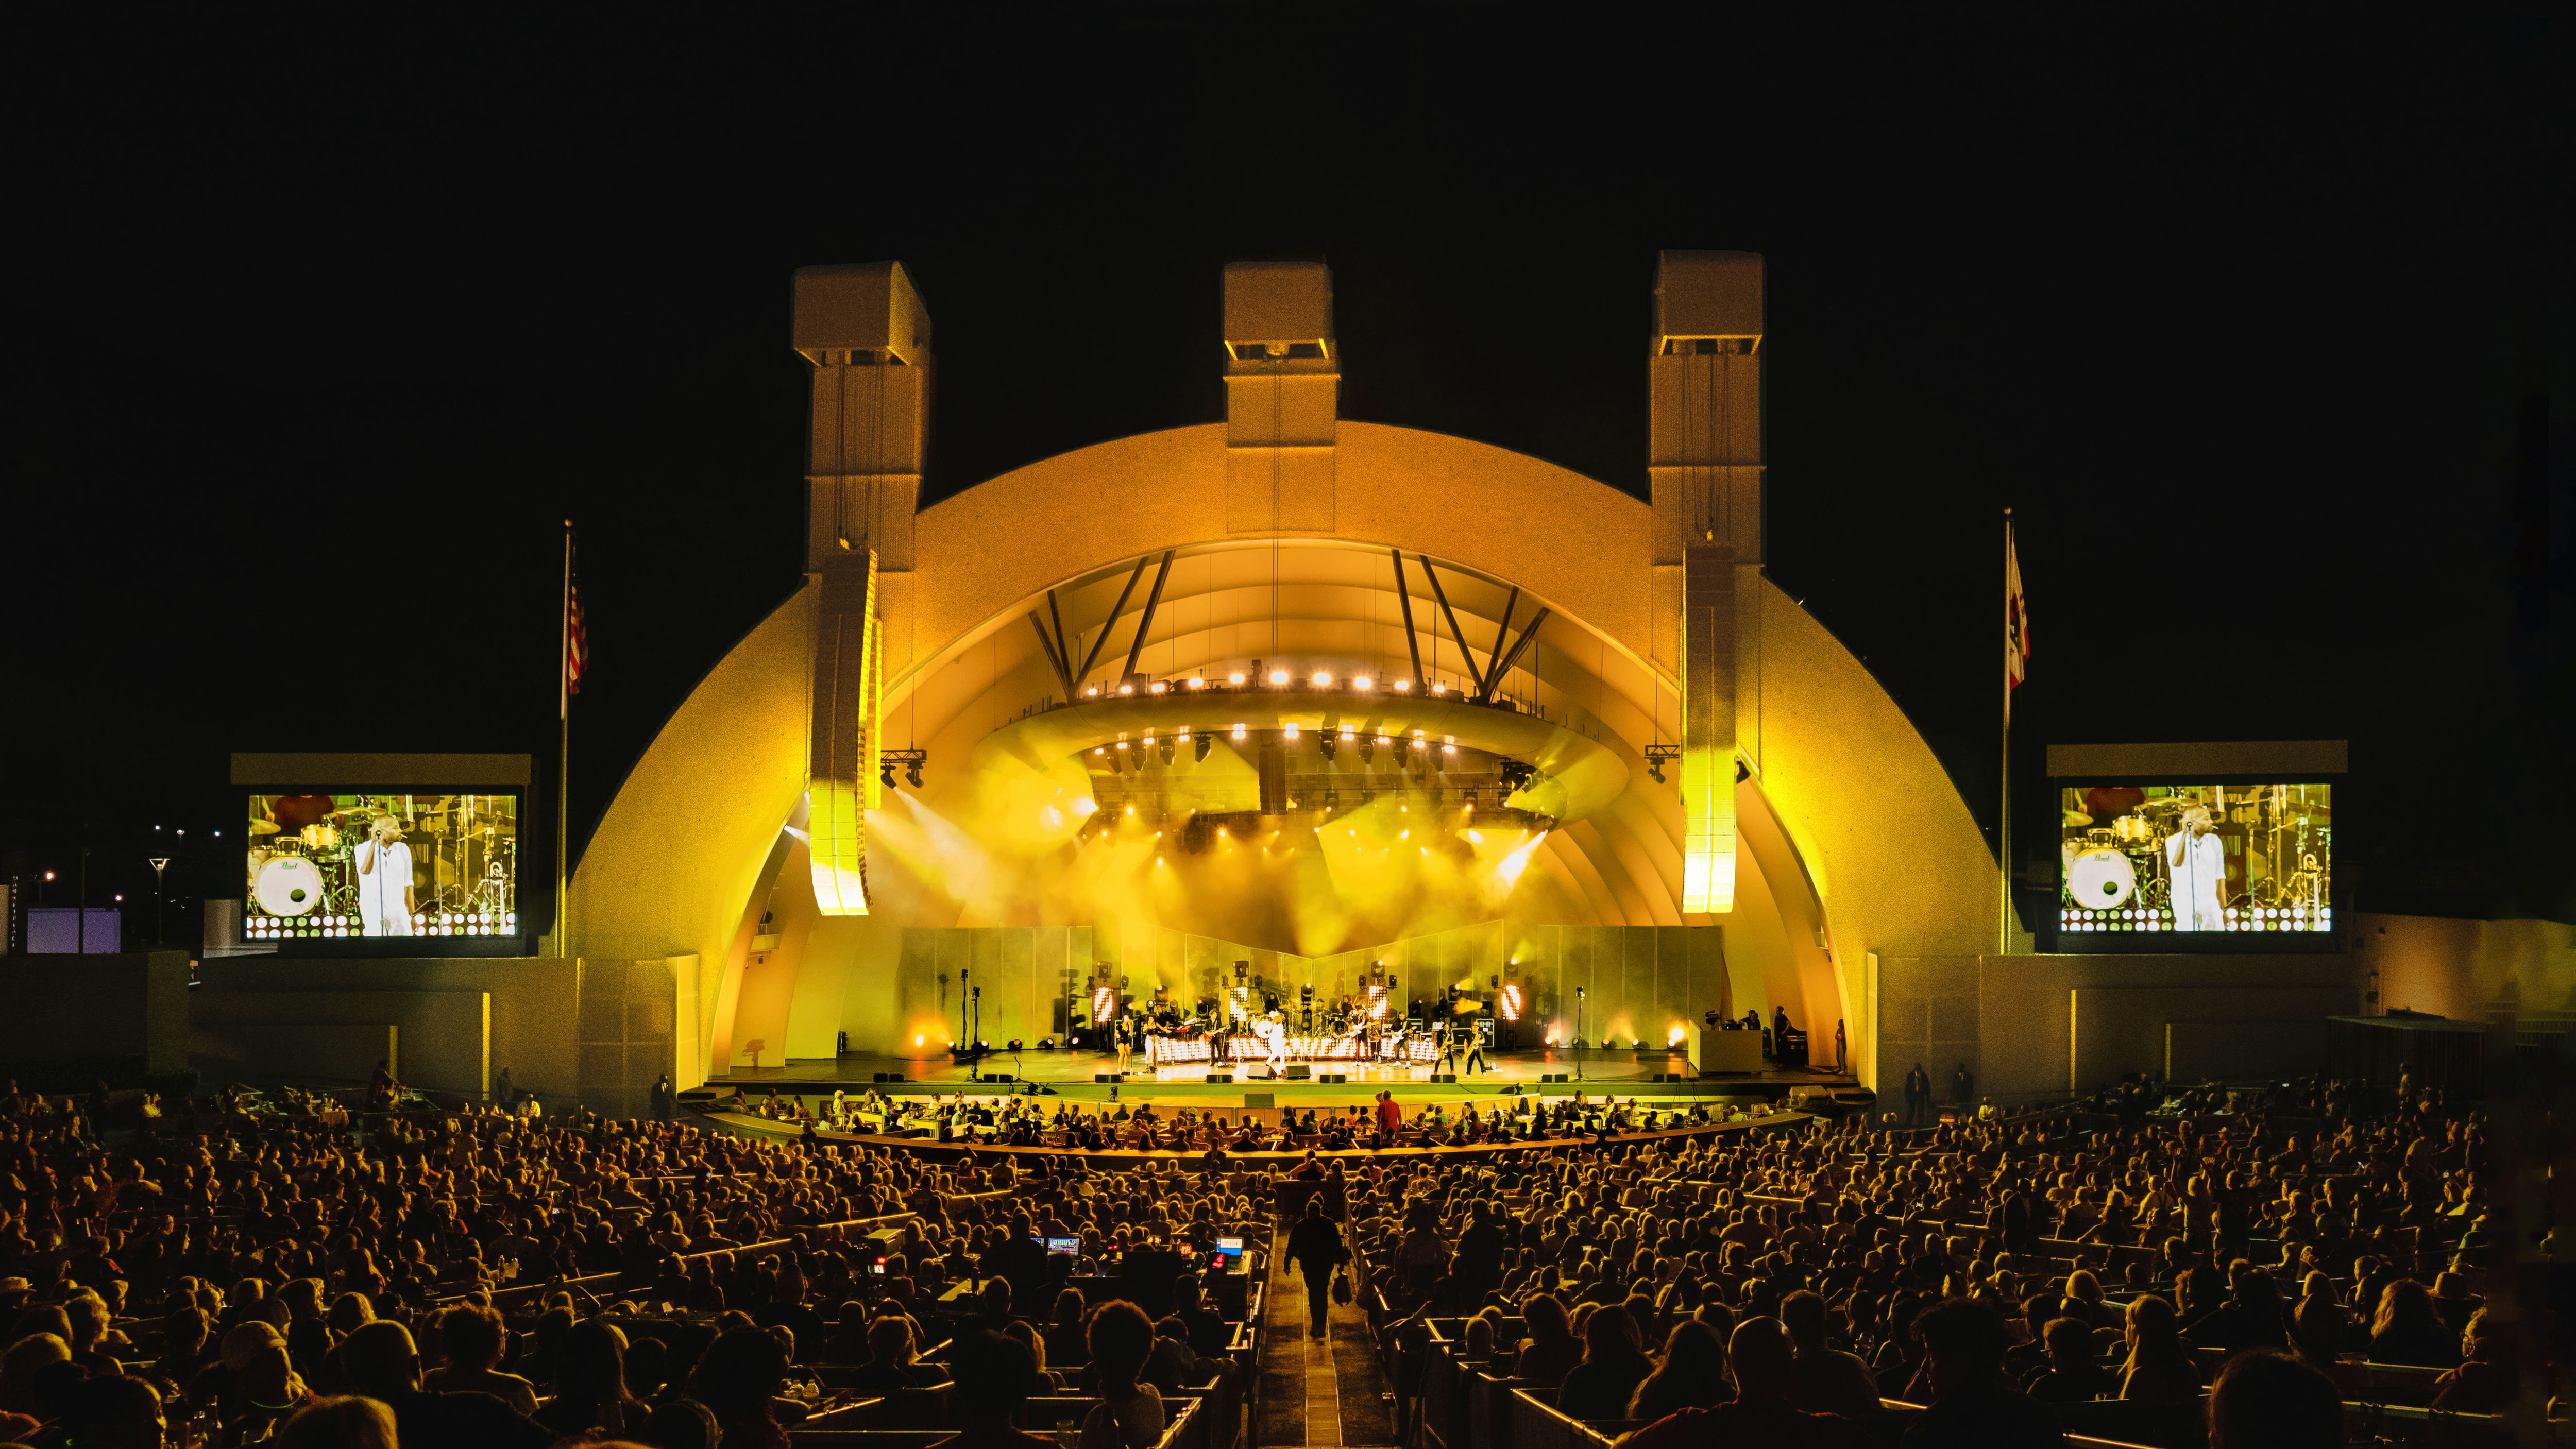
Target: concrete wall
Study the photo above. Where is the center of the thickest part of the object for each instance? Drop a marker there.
(110, 1009)
(440, 1039)
(2466, 969)
(2034, 1025)
(595, 1031)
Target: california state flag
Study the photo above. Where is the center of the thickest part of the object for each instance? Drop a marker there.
(2016, 624)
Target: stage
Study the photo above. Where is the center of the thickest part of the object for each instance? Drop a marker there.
(1072, 1074)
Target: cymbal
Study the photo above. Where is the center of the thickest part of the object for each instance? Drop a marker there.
(2075, 817)
(263, 827)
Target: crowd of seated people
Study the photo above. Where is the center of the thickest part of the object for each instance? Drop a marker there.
(1025, 1121)
(225, 1287)
(2120, 1255)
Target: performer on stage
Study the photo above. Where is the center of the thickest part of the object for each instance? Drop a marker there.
(384, 880)
(1273, 1032)
(1123, 1034)
(2197, 861)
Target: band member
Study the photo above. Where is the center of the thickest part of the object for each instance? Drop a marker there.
(1273, 1032)
(384, 880)
(2197, 861)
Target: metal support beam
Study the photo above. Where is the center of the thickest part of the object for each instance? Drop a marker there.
(1145, 621)
(1464, 653)
(1404, 596)
(1054, 655)
(1504, 663)
(1502, 633)
(1111, 622)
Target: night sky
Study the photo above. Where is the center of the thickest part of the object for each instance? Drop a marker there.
(315, 335)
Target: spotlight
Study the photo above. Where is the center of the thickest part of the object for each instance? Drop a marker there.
(1197, 682)
(1165, 750)
(1199, 747)
(912, 774)
(1368, 748)
(1361, 682)
(1658, 756)
(910, 761)
(1324, 743)
(1091, 691)
(1323, 680)
(1236, 678)
(1126, 689)
(1404, 684)
(1238, 734)
(1279, 676)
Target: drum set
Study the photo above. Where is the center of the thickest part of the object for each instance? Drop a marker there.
(303, 855)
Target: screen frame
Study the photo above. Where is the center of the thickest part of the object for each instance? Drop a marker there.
(534, 853)
(2049, 938)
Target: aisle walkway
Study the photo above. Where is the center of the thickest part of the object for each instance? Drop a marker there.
(1317, 1395)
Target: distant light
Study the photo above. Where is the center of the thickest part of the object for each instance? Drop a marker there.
(1448, 749)
(1279, 676)
(1323, 680)
(1126, 689)
(1361, 682)
(1238, 734)
(1292, 731)
(1197, 683)
(1122, 744)
(1160, 686)
(1404, 684)
(1185, 734)
(1346, 734)
(1093, 690)
(1439, 689)
(1234, 679)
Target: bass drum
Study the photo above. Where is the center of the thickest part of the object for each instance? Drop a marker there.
(288, 885)
(2101, 880)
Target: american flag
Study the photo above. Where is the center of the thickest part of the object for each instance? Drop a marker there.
(2016, 623)
(576, 639)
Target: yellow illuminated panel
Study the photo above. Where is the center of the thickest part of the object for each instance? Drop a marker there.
(843, 783)
(1708, 731)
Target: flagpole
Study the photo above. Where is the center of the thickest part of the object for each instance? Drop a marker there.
(563, 760)
(2003, 845)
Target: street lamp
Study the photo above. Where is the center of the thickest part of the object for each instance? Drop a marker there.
(160, 863)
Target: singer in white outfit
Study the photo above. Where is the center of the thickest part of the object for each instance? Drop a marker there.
(384, 880)
(2197, 862)
(1273, 1033)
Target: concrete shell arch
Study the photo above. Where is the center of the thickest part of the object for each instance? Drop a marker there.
(1856, 842)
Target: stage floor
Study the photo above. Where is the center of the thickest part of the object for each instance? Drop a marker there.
(1070, 1074)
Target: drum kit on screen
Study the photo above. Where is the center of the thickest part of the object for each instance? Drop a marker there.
(304, 852)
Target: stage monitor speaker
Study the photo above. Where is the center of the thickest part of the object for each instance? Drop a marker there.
(1220, 1076)
(1260, 1074)
(1109, 1076)
(889, 1076)
(1299, 1071)
(1551, 1076)
(1336, 1078)
(1451, 1078)
(995, 1077)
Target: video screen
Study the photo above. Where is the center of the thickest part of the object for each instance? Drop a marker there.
(2196, 858)
(382, 865)
(1065, 1247)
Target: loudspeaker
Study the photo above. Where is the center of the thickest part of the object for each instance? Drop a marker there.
(1259, 1074)
(1551, 1076)
(1220, 1076)
(889, 1076)
(1334, 1077)
(1109, 1076)
(1299, 1071)
(994, 1077)
(1449, 1077)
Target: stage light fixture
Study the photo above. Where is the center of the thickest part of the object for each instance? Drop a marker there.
(1292, 733)
(1368, 748)
(1323, 680)
(1404, 684)
(1324, 744)
(1165, 750)
(1279, 676)
(1234, 679)
(1200, 746)
(1362, 682)
(1160, 686)
(1238, 734)
(1091, 692)
(1197, 682)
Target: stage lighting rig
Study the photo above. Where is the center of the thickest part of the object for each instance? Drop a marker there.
(910, 761)
(1517, 774)
(1656, 758)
